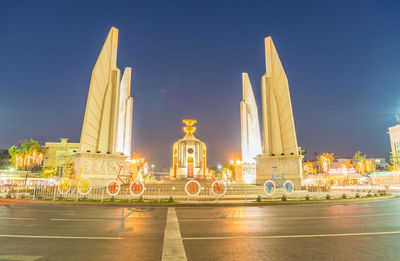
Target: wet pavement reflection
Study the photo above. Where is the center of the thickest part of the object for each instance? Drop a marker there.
(354, 231)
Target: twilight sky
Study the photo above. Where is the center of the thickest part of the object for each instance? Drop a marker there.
(342, 59)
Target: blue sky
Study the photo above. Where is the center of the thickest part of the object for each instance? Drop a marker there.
(342, 60)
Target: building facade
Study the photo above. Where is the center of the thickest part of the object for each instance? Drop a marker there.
(5, 159)
(58, 153)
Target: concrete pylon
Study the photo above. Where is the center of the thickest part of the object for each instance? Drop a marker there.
(280, 143)
(250, 130)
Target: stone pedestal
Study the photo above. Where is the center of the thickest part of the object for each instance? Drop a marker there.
(238, 174)
(100, 168)
(249, 173)
(291, 166)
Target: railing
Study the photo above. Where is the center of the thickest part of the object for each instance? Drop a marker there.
(159, 192)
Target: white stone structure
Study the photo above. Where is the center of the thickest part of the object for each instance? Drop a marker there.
(107, 125)
(280, 144)
(250, 130)
(394, 134)
(108, 103)
(125, 112)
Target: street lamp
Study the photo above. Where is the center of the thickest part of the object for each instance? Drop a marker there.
(152, 169)
(219, 167)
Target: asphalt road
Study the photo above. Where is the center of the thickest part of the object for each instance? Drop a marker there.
(353, 231)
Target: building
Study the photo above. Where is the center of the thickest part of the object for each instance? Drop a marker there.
(57, 154)
(5, 159)
(189, 157)
(338, 164)
(250, 134)
(280, 143)
(380, 163)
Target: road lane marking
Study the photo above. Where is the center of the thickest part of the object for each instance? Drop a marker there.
(279, 218)
(16, 218)
(52, 210)
(84, 219)
(173, 248)
(19, 258)
(100, 220)
(296, 236)
(60, 237)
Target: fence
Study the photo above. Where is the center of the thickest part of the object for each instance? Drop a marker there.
(159, 192)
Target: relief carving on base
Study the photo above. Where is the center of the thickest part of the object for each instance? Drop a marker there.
(94, 167)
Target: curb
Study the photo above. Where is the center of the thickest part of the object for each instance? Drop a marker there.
(195, 204)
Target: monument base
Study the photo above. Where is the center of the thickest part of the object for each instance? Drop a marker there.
(100, 168)
(291, 166)
(249, 173)
(182, 173)
(238, 174)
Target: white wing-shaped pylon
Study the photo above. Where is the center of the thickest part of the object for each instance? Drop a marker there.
(125, 111)
(279, 131)
(107, 125)
(251, 141)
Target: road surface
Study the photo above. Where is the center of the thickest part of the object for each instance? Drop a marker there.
(352, 231)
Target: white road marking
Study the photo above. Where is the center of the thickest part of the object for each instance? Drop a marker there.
(99, 220)
(19, 258)
(60, 237)
(296, 236)
(83, 219)
(16, 218)
(279, 218)
(52, 210)
(173, 248)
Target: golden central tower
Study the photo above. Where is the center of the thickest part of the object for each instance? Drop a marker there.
(189, 155)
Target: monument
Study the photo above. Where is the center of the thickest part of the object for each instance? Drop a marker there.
(280, 143)
(250, 130)
(125, 113)
(107, 126)
(394, 135)
(189, 157)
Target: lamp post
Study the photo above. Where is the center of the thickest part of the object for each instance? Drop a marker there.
(152, 169)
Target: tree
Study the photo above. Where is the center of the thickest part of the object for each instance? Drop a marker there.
(346, 165)
(48, 172)
(26, 156)
(229, 165)
(213, 171)
(363, 165)
(14, 152)
(325, 161)
(394, 164)
(308, 167)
